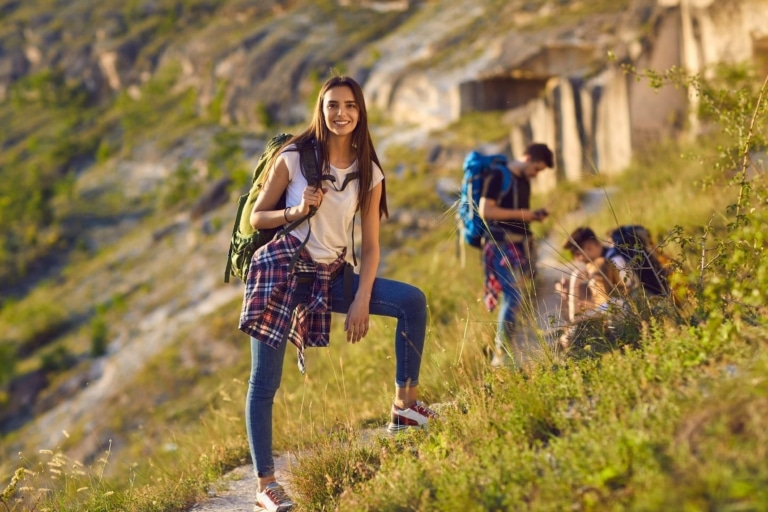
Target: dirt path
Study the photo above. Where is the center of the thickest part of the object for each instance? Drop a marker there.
(236, 491)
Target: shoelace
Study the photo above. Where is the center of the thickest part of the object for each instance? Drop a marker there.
(277, 494)
(423, 409)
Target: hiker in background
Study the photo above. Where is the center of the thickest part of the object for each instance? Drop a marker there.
(611, 273)
(676, 287)
(636, 259)
(645, 237)
(608, 277)
(508, 252)
(586, 288)
(284, 276)
(593, 289)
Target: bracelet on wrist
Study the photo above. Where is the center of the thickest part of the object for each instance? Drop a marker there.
(285, 215)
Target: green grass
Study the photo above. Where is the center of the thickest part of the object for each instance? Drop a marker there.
(621, 433)
(671, 422)
(671, 425)
(475, 128)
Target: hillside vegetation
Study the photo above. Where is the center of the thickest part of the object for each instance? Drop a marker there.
(667, 418)
(113, 310)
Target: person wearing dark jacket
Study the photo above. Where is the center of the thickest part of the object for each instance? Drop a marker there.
(508, 251)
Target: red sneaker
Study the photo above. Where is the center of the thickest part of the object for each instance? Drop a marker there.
(415, 416)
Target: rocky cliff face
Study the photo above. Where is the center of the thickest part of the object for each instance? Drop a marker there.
(559, 84)
(424, 63)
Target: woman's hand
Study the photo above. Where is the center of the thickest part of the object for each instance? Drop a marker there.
(356, 323)
(311, 198)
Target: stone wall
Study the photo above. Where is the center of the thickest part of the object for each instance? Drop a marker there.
(586, 122)
(594, 121)
(658, 114)
(561, 89)
(498, 93)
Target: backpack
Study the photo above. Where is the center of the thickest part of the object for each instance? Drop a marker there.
(477, 167)
(630, 242)
(245, 239)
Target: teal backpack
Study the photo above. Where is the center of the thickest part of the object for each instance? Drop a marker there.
(245, 239)
(476, 168)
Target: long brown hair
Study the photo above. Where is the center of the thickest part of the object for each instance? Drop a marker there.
(361, 140)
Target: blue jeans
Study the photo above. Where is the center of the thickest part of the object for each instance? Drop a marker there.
(388, 298)
(509, 273)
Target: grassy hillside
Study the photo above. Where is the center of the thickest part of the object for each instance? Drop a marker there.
(97, 185)
(86, 83)
(669, 417)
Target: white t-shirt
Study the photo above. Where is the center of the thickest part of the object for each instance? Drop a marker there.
(332, 224)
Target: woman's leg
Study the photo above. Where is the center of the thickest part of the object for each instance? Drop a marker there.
(408, 305)
(266, 373)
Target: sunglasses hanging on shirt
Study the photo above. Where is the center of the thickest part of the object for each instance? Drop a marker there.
(331, 179)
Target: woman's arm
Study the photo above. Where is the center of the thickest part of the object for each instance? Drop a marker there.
(356, 323)
(577, 294)
(264, 216)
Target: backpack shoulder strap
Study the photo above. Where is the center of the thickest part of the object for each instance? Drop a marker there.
(512, 189)
(309, 165)
(311, 171)
(508, 183)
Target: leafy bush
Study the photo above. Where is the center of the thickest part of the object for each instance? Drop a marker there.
(226, 155)
(47, 88)
(181, 187)
(57, 359)
(99, 336)
(7, 361)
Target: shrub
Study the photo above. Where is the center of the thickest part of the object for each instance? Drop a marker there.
(57, 359)
(7, 361)
(99, 336)
(181, 187)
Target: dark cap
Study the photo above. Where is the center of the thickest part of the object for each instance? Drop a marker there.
(578, 237)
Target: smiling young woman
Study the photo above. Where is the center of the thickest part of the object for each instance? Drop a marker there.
(316, 278)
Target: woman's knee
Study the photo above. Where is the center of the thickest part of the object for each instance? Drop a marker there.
(261, 395)
(261, 388)
(414, 299)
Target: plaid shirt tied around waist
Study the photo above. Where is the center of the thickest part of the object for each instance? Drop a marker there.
(267, 315)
